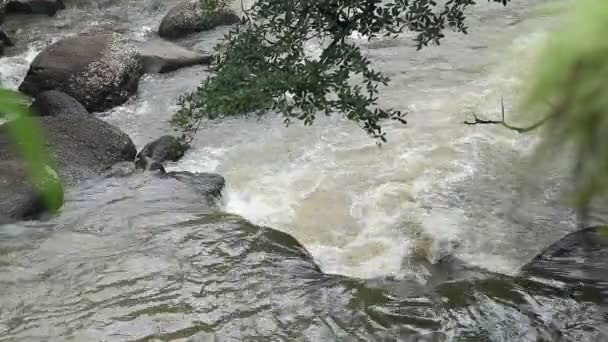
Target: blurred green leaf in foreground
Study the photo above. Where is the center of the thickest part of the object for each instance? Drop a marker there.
(569, 85)
(30, 141)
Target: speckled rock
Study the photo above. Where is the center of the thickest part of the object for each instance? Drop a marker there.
(188, 17)
(55, 103)
(82, 146)
(48, 7)
(100, 70)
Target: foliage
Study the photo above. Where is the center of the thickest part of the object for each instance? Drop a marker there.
(572, 75)
(213, 5)
(30, 141)
(263, 65)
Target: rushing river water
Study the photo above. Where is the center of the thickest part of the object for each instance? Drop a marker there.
(139, 259)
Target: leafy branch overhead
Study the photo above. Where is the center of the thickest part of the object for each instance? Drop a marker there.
(263, 65)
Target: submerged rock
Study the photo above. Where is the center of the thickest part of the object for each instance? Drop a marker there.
(56, 103)
(48, 7)
(579, 259)
(4, 41)
(207, 184)
(121, 169)
(188, 17)
(82, 146)
(20, 198)
(100, 70)
(158, 55)
(154, 154)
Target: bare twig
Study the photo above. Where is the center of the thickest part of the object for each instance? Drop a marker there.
(502, 122)
(245, 12)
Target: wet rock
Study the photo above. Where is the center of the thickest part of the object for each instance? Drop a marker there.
(188, 17)
(154, 154)
(100, 70)
(2, 11)
(48, 7)
(20, 198)
(122, 169)
(55, 103)
(158, 55)
(81, 146)
(579, 258)
(209, 185)
(4, 41)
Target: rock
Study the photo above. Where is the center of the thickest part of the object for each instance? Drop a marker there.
(100, 70)
(20, 199)
(154, 154)
(48, 7)
(2, 11)
(122, 169)
(579, 258)
(206, 184)
(82, 146)
(55, 103)
(188, 17)
(4, 41)
(158, 55)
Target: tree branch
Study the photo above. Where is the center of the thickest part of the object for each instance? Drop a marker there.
(502, 122)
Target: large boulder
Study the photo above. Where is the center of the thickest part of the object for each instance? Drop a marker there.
(81, 146)
(100, 70)
(165, 148)
(159, 55)
(188, 17)
(579, 259)
(20, 198)
(48, 7)
(55, 103)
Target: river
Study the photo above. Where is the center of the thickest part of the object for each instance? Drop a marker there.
(136, 259)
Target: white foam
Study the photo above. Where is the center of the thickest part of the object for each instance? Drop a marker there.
(14, 68)
(361, 210)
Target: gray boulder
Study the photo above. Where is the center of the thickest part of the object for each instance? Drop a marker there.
(188, 17)
(81, 146)
(48, 7)
(100, 70)
(158, 55)
(154, 154)
(20, 198)
(55, 103)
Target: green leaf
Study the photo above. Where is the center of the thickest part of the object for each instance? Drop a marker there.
(30, 141)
